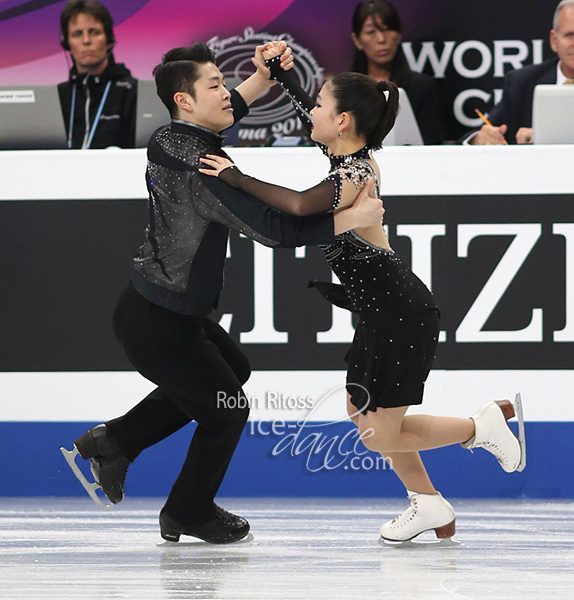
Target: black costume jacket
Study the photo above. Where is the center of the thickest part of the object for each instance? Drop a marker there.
(116, 126)
(180, 265)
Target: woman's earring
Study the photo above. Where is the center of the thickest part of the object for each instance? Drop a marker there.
(340, 134)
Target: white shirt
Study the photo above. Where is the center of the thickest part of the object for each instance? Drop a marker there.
(560, 77)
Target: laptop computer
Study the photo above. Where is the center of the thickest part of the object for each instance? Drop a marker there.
(151, 112)
(406, 131)
(553, 114)
(31, 118)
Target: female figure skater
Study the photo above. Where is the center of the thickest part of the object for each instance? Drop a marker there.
(396, 336)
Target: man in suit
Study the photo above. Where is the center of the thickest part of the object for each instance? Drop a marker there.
(511, 118)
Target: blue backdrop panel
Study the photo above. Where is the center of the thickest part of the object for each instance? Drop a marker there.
(33, 466)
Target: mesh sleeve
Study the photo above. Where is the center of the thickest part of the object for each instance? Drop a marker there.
(320, 198)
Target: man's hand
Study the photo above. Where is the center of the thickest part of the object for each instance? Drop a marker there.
(369, 207)
(489, 135)
(367, 210)
(271, 50)
(524, 135)
(259, 83)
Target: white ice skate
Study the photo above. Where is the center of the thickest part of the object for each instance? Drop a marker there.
(427, 511)
(493, 433)
(90, 486)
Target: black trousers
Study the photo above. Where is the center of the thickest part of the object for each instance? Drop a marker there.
(196, 366)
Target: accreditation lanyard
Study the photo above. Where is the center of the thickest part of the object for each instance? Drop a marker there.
(96, 120)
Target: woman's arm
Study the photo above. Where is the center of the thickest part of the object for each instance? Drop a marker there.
(317, 199)
(220, 203)
(339, 190)
(301, 101)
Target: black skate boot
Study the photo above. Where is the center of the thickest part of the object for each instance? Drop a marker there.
(223, 528)
(109, 467)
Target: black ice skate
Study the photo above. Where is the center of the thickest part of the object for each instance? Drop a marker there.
(108, 466)
(223, 528)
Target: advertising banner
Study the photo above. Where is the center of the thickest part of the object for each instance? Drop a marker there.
(467, 47)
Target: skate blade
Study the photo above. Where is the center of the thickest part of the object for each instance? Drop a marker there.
(89, 486)
(414, 543)
(521, 432)
(190, 542)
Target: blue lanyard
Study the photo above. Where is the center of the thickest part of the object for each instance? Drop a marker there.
(96, 120)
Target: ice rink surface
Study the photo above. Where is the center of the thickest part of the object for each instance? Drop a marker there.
(65, 548)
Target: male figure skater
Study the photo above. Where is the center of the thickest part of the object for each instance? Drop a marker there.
(161, 319)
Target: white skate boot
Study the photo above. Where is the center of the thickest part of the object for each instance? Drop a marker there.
(493, 433)
(427, 511)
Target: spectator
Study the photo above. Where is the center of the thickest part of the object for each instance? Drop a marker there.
(99, 99)
(377, 35)
(511, 118)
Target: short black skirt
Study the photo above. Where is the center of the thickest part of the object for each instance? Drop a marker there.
(390, 358)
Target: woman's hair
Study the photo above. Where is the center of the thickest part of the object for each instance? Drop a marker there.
(388, 15)
(178, 72)
(374, 106)
(90, 7)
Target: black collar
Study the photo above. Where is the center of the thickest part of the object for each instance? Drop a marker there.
(187, 128)
(339, 160)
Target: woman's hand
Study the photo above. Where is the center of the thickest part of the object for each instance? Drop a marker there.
(217, 164)
(274, 48)
(271, 50)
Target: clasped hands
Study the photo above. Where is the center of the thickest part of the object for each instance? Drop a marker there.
(271, 50)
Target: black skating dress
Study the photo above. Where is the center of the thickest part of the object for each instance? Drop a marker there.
(397, 331)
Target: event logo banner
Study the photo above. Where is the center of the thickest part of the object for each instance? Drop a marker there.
(271, 117)
(502, 277)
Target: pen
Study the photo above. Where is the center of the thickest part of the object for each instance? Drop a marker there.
(485, 120)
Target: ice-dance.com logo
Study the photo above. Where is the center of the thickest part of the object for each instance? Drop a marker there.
(324, 446)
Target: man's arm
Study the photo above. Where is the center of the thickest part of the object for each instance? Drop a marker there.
(498, 117)
(216, 201)
(258, 83)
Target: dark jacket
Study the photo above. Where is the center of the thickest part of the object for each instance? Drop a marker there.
(180, 265)
(423, 93)
(116, 125)
(515, 106)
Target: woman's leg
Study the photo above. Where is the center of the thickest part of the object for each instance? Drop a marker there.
(408, 466)
(389, 430)
(428, 509)
(410, 469)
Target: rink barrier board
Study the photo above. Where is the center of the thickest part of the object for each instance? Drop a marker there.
(33, 465)
(467, 220)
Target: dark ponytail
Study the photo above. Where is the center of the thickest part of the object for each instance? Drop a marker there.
(374, 106)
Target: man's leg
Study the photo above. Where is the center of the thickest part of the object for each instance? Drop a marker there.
(186, 358)
(152, 420)
(211, 387)
(156, 417)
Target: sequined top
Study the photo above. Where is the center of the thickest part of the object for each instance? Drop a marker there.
(373, 278)
(180, 264)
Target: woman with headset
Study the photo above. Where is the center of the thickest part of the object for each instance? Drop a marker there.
(99, 99)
